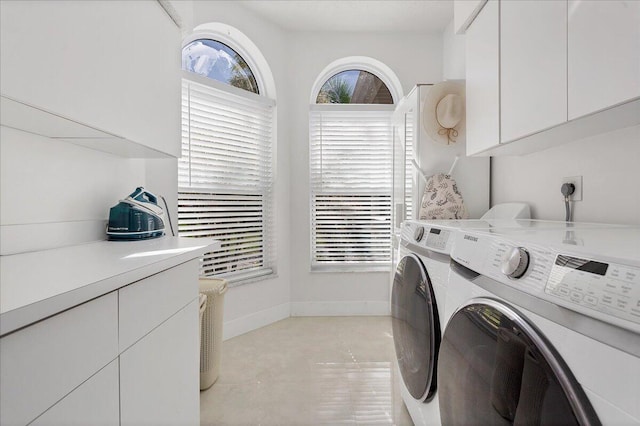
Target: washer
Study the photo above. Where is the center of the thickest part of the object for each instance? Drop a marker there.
(544, 326)
(417, 307)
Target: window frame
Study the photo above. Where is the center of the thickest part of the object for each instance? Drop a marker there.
(389, 78)
(216, 39)
(382, 266)
(241, 44)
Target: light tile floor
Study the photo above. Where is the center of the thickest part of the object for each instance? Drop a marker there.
(307, 371)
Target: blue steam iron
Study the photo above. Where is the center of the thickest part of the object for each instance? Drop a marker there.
(137, 217)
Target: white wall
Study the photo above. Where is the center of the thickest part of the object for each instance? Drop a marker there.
(55, 193)
(252, 305)
(608, 164)
(415, 59)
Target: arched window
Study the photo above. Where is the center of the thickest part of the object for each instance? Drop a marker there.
(218, 61)
(354, 87)
(351, 164)
(226, 172)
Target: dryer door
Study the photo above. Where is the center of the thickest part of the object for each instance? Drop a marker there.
(497, 369)
(416, 328)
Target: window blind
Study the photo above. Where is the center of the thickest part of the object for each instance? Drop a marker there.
(225, 178)
(351, 169)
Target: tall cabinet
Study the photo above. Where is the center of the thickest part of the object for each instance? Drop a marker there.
(411, 142)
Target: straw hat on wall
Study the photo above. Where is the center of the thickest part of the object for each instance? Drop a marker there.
(443, 112)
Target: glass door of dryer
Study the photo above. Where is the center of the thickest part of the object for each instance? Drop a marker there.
(416, 328)
(495, 368)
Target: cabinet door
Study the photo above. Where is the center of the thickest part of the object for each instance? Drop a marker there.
(113, 65)
(604, 54)
(533, 67)
(159, 296)
(95, 402)
(42, 363)
(483, 80)
(159, 375)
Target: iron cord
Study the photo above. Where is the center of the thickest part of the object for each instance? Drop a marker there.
(168, 215)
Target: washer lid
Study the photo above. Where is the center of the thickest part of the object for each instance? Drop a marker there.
(416, 328)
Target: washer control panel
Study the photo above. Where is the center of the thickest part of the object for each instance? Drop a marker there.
(609, 292)
(437, 238)
(605, 287)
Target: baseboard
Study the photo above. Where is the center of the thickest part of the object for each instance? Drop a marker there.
(256, 320)
(328, 309)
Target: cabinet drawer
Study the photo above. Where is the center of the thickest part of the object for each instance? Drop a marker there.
(95, 402)
(42, 363)
(147, 303)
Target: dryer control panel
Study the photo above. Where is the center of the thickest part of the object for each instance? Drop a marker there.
(605, 287)
(437, 238)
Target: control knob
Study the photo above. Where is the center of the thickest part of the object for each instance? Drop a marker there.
(515, 263)
(418, 234)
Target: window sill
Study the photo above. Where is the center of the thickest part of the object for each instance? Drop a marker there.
(248, 278)
(351, 268)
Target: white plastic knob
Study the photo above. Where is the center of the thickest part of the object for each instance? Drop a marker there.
(515, 263)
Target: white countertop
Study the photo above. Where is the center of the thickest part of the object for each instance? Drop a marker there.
(36, 285)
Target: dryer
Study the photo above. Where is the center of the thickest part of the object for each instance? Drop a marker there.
(544, 327)
(417, 300)
(417, 308)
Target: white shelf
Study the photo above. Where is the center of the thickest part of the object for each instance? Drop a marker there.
(36, 120)
(39, 284)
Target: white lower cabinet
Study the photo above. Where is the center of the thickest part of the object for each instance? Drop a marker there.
(159, 375)
(95, 402)
(69, 369)
(42, 363)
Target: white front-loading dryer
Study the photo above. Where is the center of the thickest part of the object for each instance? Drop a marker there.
(417, 307)
(544, 329)
(417, 302)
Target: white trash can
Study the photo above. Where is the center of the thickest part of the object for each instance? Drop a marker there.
(211, 330)
(203, 305)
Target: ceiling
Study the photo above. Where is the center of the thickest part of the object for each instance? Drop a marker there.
(417, 16)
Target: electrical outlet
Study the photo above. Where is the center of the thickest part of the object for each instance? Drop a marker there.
(577, 182)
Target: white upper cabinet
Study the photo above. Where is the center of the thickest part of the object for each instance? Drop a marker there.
(112, 66)
(533, 68)
(464, 12)
(604, 54)
(483, 83)
(566, 70)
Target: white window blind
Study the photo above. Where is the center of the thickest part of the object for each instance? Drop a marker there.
(351, 169)
(225, 178)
